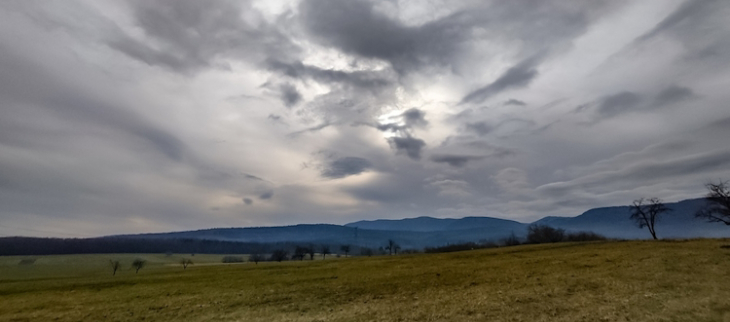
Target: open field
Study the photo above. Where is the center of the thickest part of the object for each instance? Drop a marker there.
(607, 281)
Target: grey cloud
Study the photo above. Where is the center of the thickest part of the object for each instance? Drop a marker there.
(311, 129)
(410, 118)
(253, 177)
(699, 25)
(618, 103)
(513, 101)
(415, 117)
(479, 128)
(409, 145)
(673, 94)
(517, 76)
(369, 80)
(28, 84)
(688, 10)
(356, 27)
(290, 96)
(267, 195)
(248, 201)
(346, 166)
(644, 172)
(454, 160)
(191, 35)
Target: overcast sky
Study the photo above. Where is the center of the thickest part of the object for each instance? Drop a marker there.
(147, 116)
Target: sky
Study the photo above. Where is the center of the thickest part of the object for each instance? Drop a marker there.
(151, 116)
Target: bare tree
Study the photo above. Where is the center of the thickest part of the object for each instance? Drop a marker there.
(299, 253)
(345, 249)
(279, 255)
(185, 262)
(115, 266)
(256, 258)
(138, 264)
(538, 234)
(310, 251)
(392, 247)
(718, 203)
(647, 214)
(325, 251)
(366, 251)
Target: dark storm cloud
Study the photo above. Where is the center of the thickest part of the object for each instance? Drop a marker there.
(513, 101)
(673, 94)
(344, 167)
(618, 103)
(455, 160)
(517, 76)
(248, 201)
(290, 96)
(189, 35)
(409, 145)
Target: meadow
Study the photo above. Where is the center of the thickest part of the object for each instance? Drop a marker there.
(596, 281)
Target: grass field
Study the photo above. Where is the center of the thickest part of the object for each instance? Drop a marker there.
(607, 281)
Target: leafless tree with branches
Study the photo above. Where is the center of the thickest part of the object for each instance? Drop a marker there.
(185, 262)
(646, 213)
(718, 203)
(115, 266)
(138, 264)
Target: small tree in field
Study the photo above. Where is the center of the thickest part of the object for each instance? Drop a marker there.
(256, 258)
(392, 247)
(310, 251)
(115, 266)
(185, 262)
(279, 255)
(138, 264)
(299, 253)
(645, 213)
(325, 251)
(345, 249)
(718, 203)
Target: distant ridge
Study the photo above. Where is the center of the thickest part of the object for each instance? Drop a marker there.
(430, 224)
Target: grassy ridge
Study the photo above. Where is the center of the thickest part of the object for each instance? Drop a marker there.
(608, 281)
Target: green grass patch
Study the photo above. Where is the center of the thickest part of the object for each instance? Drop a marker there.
(601, 281)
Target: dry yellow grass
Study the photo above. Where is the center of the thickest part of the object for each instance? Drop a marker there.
(608, 281)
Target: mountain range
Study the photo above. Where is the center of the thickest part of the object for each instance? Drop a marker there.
(416, 233)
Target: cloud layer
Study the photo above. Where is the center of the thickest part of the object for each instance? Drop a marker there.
(139, 116)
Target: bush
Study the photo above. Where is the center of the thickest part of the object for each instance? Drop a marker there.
(584, 236)
(459, 247)
(539, 234)
(233, 259)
